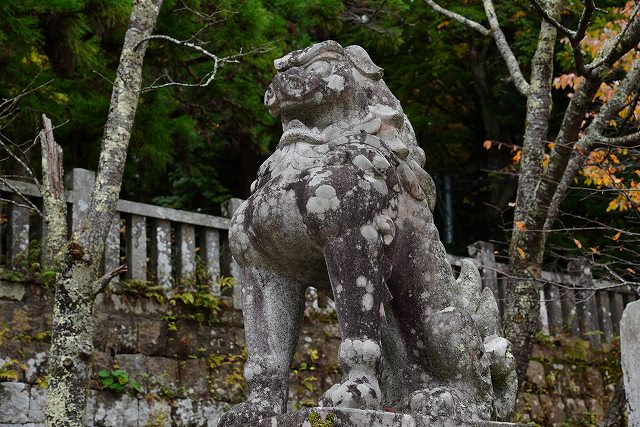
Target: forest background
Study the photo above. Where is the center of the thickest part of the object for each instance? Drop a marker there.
(194, 147)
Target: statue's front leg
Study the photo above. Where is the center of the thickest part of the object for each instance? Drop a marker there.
(272, 305)
(355, 270)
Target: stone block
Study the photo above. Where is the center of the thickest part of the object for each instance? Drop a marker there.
(194, 378)
(163, 376)
(213, 340)
(156, 413)
(12, 291)
(114, 410)
(531, 405)
(135, 366)
(123, 335)
(595, 407)
(183, 342)
(101, 361)
(14, 403)
(36, 404)
(152, 337)
(553, 408)
(226, 382)
(576, 408)
(594, 382)
(536, 374)
(359, 418)
(36, 367)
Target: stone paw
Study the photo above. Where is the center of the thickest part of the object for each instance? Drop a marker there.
(440, 402)
(360, 393)
(247, 413)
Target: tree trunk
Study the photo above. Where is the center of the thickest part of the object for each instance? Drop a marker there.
(77, 262)
(527, 240)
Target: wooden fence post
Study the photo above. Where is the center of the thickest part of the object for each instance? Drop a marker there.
(228, 209)
(483, 252)
(210, 249)
(160, 258)
(18, 238)
(80, 183)
(137, 247)
(586, 301)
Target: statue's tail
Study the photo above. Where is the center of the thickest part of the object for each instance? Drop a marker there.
(483, 308)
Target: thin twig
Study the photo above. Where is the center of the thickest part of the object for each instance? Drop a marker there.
(457, 17)
(29, 203)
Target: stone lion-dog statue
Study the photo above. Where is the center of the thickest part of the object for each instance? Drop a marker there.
(344, 205)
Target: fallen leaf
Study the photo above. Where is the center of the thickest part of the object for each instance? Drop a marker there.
(617, 236)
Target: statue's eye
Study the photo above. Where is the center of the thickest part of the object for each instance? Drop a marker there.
(319, 67)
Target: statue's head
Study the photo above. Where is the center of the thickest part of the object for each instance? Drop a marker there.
(320, 84)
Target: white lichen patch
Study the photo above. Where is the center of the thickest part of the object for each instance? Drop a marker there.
(335, 82)
(369, 232)
(367, 302)
(326, 192)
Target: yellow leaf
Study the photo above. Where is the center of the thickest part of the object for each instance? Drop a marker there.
(551, 145)
(631, 270)
(594, 250)
(520, 225)
(521, 253)
(578, 244)
(614, 158)
(617, 236)
(487, 144)
(443, 24)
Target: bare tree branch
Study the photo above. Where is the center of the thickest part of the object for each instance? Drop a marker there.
(207, 78)
(104, 281)
(622, 44)
(558, 26)
(457, 17)
(505, 49)
(28, 203)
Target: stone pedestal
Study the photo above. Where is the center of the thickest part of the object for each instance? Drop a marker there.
(335, 417)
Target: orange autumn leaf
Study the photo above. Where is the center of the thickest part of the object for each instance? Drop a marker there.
(521, 253)
(617, 236)
(520, 225)
(487, 144)
(578, 244)
(516, 158)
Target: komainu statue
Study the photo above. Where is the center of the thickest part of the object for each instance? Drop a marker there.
(344, 205)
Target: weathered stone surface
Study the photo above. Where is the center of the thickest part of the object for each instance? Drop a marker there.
(194, 378)
(536, 375)
(12, 291)
(346, 417)
(345, 206)
(36, 404)
(630, 349)
(113, 410)
(554, 409)
(152, 337)
(163, 375)
(155, 413)
(14, 402)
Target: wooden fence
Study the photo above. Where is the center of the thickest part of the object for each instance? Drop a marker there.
(164, 245)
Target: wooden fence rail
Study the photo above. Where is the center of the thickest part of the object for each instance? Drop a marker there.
(165, 245)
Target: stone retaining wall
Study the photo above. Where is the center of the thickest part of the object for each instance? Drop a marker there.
(189, 363)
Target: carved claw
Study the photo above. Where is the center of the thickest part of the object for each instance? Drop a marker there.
(361, 393)
(439, 402)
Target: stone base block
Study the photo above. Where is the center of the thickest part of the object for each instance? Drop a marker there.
(338, 417)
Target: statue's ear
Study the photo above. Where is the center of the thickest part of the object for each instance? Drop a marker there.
(363, 63)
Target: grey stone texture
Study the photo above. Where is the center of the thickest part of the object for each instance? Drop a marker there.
(343, 205)
(347, 417)
(630, 349)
